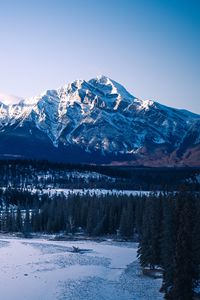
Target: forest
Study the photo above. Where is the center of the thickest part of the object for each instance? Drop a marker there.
(42, 174)
(164, 223)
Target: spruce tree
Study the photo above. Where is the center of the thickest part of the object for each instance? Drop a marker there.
(183, 282)
(149, 251)
(168, 242)
(18, 223)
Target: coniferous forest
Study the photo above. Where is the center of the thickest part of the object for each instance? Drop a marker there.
(164, 223)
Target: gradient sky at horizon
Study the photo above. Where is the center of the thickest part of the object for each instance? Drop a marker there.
(150, 46)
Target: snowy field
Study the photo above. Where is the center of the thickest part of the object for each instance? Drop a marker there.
(38, 269)
(98, 192)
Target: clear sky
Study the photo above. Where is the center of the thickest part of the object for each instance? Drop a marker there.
(152, 47)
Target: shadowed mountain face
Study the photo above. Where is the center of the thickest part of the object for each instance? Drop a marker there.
(98, 121)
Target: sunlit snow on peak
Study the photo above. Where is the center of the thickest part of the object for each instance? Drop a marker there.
(9, 99)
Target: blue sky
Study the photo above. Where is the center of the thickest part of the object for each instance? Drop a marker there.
(152, 47)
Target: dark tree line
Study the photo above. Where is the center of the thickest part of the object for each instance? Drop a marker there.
(170, 239)
(95, 215)
(40, 174)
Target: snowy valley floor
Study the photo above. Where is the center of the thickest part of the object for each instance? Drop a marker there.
(38, 269)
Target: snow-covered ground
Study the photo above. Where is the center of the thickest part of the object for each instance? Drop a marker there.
(38, 269)
(98, 192)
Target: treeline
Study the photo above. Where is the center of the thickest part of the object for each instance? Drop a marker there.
(40, 174)
(94, 215)
(170, 240)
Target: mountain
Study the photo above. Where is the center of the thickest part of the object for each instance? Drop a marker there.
(98, 121)
(9, 99)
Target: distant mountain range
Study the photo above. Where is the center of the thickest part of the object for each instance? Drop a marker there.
(98, 121)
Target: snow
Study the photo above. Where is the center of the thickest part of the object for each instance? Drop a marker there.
(9, 99)
(145, 104)
(158, 140)
(198, 178)
(41, 269)
(97, 192)
(96, 114)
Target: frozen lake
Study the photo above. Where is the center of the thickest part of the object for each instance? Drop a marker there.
(38, 269)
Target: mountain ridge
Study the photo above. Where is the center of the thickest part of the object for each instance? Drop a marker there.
(101, 119)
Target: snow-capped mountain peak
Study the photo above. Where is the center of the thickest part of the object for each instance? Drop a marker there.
(101, 116)
(9, 99)
(110, 86)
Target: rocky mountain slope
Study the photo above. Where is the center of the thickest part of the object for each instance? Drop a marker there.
(98, 121)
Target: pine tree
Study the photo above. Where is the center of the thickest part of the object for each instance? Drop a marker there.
(18, 223)
(183, 282)
(149, 251)
(144, 250)
(27, 225)
(168, 242)
(196, 242)
(35, 220)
